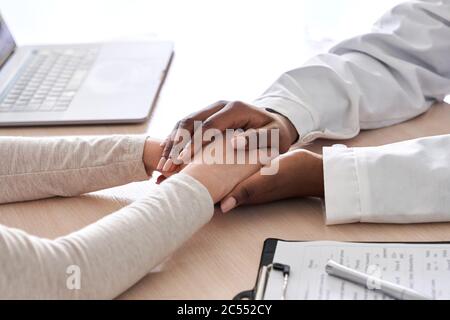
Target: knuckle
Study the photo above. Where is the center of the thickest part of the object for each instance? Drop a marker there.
(167, 150)
(221, 102)
(208, 124)
(237, 105)
(186, 122)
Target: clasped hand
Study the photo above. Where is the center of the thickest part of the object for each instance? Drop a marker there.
(299, 172)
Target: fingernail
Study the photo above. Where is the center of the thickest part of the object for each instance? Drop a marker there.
(161, 164)
(172, 168)
(181, 156)
(186, 156)
(228, 205)
(167, 165)
(162, 144)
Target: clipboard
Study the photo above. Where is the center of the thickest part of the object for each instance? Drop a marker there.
(267, 256)
(267, 260)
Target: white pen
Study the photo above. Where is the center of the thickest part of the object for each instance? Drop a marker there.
(391, 289)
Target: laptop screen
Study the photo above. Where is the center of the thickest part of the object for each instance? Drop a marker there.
(7, 44)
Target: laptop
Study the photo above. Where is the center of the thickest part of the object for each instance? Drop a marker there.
(114, 82)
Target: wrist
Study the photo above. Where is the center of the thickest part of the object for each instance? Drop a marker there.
(310, 174)
(317, 186)
(220, 179)
(152, 154)
(289, 128)
(208, 177)
(319, 190)
(208, 180)
(293, 134)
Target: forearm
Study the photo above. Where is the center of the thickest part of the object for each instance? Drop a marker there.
(385, 77)
(405, 182)
(112, 254)
(34, 168)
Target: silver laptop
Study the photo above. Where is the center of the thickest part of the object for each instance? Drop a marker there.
(79, 84)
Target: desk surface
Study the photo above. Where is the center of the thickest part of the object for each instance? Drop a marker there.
(222, 258)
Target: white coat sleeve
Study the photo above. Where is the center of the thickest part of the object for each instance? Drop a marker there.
(374, 80)
(406, 182)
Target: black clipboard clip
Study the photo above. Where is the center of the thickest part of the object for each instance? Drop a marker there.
(259, 292)
(267, 266)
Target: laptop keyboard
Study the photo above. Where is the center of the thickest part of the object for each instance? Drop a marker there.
(48, 81)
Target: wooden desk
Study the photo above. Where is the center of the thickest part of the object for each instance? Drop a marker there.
(221, 259)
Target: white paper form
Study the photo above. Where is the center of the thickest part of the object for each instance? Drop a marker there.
(424, 268)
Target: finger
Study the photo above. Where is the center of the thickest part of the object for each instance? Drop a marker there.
(172, 149)
(234, 115)
(181, 150)
(265, 137)
(168, 165)
(188, 152)
(187, 125)
(249, 191)
(183, 136)
(192, 147)
(168, 143)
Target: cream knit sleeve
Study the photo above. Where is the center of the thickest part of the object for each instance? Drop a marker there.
(106, 258)
(36, 168)
(110, 255)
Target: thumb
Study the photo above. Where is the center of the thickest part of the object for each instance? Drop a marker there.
(243, 193)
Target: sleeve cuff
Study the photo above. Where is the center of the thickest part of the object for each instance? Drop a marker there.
(204, 202)
(300, 117)
(342, 187)
(136, 152)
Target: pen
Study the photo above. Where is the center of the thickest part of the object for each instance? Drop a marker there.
(391, 289)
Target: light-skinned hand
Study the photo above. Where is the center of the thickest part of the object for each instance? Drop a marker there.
(219, 176)
(152, 154)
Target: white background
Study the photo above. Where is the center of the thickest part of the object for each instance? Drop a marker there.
(231, 49)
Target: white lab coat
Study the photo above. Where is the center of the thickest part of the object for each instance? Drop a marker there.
(371, 81)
